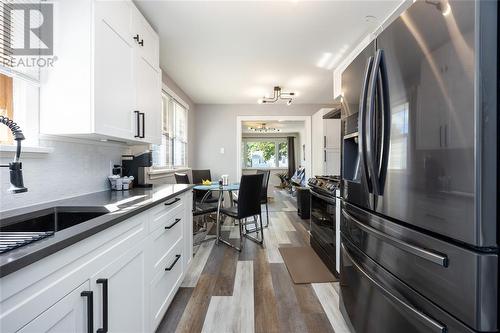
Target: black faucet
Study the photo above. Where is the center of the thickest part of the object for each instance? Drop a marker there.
(16, 172)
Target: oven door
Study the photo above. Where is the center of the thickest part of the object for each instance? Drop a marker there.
(323, 227)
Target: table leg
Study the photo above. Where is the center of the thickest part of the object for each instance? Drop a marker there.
(221, 194)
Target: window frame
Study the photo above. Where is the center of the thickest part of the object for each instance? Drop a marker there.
(275, 140)
(171, 168)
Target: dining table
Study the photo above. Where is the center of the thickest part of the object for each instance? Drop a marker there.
(220, 189)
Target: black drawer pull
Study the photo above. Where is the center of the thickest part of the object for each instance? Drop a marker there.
(136, 37)
(436, 258)
(172, 225)
(104, 283)
(141, 43)
(177, 257)
(90, 309)
(172, 202)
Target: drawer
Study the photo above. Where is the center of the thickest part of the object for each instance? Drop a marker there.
(394, 307)
(460, 280)
(165, 283)
(165, 236)
(164, 211)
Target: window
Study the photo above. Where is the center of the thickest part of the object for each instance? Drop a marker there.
(172, 153)
(19, 78)
(265, 153)
(399, 137)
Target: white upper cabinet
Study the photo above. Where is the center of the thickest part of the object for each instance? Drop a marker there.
(106, 82)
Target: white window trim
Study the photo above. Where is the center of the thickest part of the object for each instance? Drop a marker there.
(165, 170)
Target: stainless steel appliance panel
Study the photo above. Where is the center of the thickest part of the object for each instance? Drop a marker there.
(430, 60)
(462, 281)
(374, 301)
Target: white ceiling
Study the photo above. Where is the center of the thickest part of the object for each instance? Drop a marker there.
(235, 52)
(286, 126)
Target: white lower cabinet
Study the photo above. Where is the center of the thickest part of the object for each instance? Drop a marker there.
(120, 293)
(120, 280)
(70, 314)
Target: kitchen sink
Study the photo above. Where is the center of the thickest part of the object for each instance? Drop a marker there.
(51, 219)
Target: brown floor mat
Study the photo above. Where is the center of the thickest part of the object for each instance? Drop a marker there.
(305, 266)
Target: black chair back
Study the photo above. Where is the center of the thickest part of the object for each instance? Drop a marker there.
(265, 183)
(249, 195)
(181, 178)
(200, 175)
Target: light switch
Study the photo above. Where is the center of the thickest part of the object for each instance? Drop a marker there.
(222, 150)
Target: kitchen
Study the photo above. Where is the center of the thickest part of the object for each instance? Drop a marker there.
(129, 174)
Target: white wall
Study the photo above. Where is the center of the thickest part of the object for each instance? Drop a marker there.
(215, 128)
(73, 168)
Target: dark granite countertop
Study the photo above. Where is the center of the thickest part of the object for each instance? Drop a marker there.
(120, 204)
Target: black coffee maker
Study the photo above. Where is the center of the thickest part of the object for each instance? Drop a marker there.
(134, 165)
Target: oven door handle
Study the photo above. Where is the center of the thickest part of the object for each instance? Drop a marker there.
(323, 197)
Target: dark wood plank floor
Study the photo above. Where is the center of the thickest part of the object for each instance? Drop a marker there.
(278, 305)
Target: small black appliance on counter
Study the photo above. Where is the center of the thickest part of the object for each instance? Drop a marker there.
(133, 165)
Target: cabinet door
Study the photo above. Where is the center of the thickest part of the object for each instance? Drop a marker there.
(67, 315)
(332, 162)
(147, 43)
(332, 133)
(113, 71)
(126, 293)
(148, 89)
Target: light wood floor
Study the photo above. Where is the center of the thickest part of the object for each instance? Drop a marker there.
(251, 291)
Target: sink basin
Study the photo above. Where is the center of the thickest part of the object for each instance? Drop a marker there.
(51, 219)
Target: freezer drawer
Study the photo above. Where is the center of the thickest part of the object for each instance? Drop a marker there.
(374, 301)
(459, 280)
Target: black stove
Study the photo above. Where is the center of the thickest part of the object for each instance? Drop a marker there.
(326, 185)
(323, 218)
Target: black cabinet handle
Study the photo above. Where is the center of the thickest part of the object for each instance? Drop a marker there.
(177, 257)
(141, 43)
(136, 37)
(137, 135)
(172, 225)
(143, 115)
(90, 309)
(172, 202)
(104, 283)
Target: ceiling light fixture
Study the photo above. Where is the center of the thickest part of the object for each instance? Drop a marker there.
(278, 95)
(262, 128)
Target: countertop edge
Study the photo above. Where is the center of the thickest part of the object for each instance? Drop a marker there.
(35, 256)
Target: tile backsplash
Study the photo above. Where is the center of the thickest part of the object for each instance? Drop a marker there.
(73, 168)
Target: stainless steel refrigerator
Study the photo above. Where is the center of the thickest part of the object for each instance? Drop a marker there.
(420, 173)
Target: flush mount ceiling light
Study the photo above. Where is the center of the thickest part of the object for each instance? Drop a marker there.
(262, 128)
(278, 95)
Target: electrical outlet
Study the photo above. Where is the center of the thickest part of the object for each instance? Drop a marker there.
(222, 150)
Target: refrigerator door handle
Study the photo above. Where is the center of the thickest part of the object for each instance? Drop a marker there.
(386, 122)
(436, 258)
(362, 123)
(371, 146)
(431, 323)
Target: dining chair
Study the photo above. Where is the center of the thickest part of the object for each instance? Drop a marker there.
(248, 207)
(198, 177)
(263, 196)
(181, 178)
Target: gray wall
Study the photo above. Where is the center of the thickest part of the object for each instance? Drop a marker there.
(215, 128)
